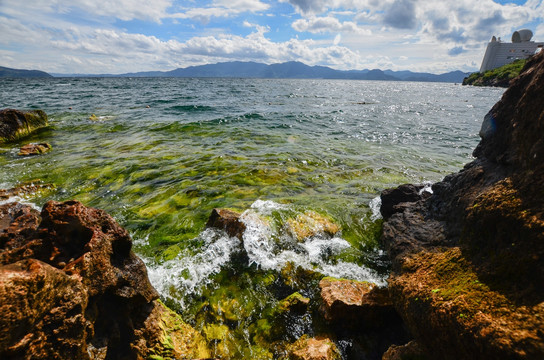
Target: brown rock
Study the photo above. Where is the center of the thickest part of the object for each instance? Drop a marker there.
(15, 124)
(34, 149)
(72, 289)
(468, 262)
(412, 350)
(357, 305)
(227, 220)
(402, 194)
(38, 297)
(319, 348)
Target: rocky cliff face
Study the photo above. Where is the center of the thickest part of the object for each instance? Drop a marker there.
(468, 261)
(71, 288)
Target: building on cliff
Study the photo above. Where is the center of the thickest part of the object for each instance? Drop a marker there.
(499, 53)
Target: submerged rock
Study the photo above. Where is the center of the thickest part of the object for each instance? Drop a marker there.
(26, 188)
(71, 288)
(34, 149)
(468, 262)
(311, 224)
(16, 124)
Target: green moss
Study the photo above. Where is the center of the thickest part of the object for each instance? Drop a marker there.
(500, 74)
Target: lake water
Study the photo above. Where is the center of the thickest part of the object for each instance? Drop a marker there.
(159, 154)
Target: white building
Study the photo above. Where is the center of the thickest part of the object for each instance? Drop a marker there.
(500, 53)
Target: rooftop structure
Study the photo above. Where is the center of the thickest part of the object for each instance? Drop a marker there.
(500, 53)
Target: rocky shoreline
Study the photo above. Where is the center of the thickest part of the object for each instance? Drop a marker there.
(466, 281)
(468, 261)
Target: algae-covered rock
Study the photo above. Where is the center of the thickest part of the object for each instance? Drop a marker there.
(34, 149)
(311, 224)
(468, 262)
(16, 124)
(26, 189)
(294, 302)
(176, 339)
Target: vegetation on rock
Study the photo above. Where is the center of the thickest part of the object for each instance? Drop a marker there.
(468, 262)
(500, 76)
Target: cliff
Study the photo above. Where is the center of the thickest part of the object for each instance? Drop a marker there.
(468, 260)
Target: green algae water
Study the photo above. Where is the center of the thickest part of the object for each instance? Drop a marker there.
(294, 157)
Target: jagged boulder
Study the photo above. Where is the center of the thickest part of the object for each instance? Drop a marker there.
(468, 262)
(71, 288)
(16, 124)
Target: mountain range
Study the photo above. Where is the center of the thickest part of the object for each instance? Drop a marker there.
(287, 70)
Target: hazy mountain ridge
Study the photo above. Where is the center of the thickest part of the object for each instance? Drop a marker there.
(20, 73)
(287, 70)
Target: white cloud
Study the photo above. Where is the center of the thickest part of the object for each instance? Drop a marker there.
(326, 25)
(221, 8)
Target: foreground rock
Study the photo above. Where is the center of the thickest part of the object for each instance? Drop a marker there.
(71, 288)
(15, 124)
(319, 348)
(468, 262)
(34, 149)
(356, 304)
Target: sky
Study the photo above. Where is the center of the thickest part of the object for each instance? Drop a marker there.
(120, 36)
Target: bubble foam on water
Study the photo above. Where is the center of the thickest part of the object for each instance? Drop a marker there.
(268, 246)
(187, 273)
(375, 205)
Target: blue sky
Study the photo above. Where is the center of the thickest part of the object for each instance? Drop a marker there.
(104, 36)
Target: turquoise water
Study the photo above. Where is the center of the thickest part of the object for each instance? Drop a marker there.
(160, 154)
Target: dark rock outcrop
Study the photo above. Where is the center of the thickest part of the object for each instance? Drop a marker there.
(16, 124)
(71, 288)
(468, 262)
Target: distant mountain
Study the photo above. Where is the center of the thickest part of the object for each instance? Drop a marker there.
(18, 73)
(291, 70)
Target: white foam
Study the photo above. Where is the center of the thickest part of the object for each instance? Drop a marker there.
(375, 205)
(20, 200)
(188, 273)
(427, 186)
(267, 245)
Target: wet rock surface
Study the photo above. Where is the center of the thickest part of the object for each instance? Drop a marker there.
(34, 149)
(15, 124)
(71, 288)
(468, 262)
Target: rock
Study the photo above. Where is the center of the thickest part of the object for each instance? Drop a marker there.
(468, 262)
(311, 224)
(356, 305)
(34, 149)
(15, 124)
(402, 194)
(227, 220)
(318, 348)
(294, 302)
(72, 288)
(25, 188)
(411, 350)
